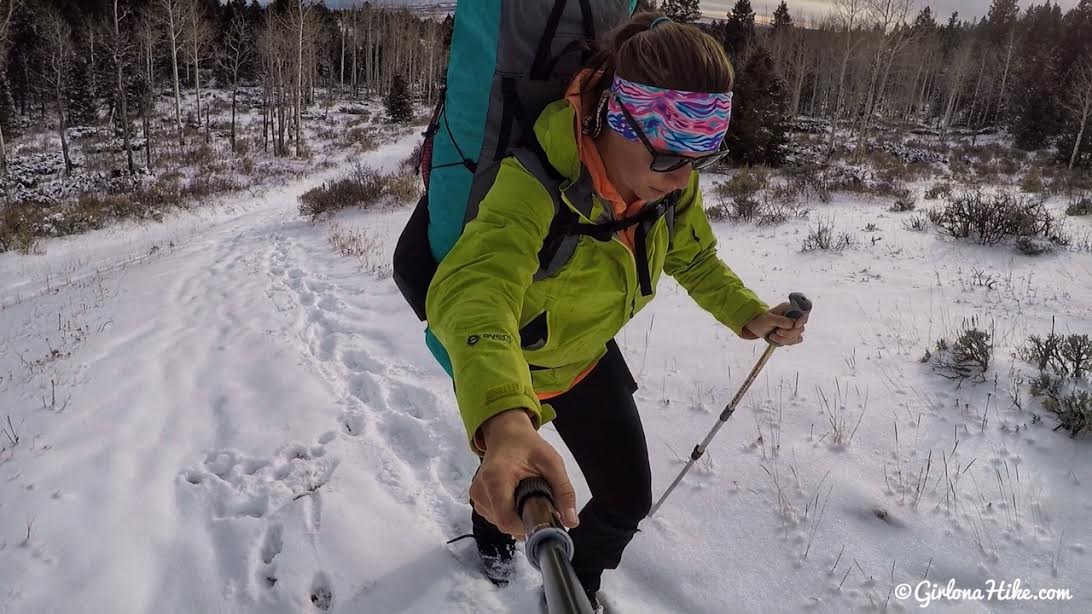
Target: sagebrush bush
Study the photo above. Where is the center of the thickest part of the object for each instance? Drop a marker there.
(1067, 355)
(808, 182)
(409, 164)
(743, 199)
(823, 236)
(718, 213)
(989, 219)
(404, 188)
(1033, 246)
(1073, 411)
(1082, 206)
(903, 202)
(22, 224)
(19, 228)
(362, 137)
(741, 193)
(362, 187)
(938, 191)
(1063, 362)
(917, 223)
(1032, 182)
(967, 357)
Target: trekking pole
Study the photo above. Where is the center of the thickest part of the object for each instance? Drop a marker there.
(549, 548)
(800, 306)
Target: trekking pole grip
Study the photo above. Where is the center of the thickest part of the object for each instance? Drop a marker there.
(799, 305)
(535, 506)
(535, 503)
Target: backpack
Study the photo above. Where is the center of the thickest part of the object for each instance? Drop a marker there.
(529, 51)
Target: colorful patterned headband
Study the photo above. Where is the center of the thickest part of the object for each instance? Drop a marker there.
(673, 121)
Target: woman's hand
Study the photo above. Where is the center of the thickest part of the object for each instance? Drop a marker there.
(513, 451)
(785, 331)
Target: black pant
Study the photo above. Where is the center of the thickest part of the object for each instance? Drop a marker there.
(598, 421)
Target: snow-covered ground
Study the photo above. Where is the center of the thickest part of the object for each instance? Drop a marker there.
(221, 413)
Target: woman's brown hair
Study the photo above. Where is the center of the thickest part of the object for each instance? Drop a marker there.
(671, 55)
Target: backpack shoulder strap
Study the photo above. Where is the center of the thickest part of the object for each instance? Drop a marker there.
(558, 245)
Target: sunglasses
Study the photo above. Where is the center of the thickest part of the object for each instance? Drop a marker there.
(665, 162)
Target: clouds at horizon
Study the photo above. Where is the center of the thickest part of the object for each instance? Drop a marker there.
(942, 9)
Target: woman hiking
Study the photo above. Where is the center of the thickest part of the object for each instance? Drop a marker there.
(651, 109)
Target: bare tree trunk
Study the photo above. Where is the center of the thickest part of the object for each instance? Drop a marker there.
(341, 78)
(299, 81)
(5, 25)
(1080, 102)
(234, 92)
(61, 125)
(147, 135)
(148, 109)
(266, 107)
(841, 95)
(1080, 131)
(170, 6)
(974, 100)
(913, 89)
(122, 102)
(197, 88)
(355, 43)
(799, 62)
(3, 154)
(369, 60)
(1001, 101)
(956, 84)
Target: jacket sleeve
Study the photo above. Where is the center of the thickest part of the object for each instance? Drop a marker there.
(476, 297)
(692, 260)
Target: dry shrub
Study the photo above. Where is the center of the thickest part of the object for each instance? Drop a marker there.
(362, 187)
(967, 357)
(1082, 206)
(990, 219)
(404, 188)
(823, 236)
(18, 225)
(360, 245)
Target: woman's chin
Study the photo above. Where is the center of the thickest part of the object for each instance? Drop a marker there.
(651, 193)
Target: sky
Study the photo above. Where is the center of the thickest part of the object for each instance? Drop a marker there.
(814, 8)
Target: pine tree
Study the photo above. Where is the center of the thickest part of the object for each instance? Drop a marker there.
(757, 133)
(683, 11)
(740, 27)
(781, 18)
(1075, 63)
(7, 108)
(80, 101)
(399, 106)
(1000, 21)
(951, 34)
(1077, 42)
(924, 23)
(1036, 117)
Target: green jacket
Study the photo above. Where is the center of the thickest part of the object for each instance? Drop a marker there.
(483, 293)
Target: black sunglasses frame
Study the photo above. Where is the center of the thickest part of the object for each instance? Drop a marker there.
(680, 160)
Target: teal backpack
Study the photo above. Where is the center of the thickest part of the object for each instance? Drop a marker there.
(528, 51)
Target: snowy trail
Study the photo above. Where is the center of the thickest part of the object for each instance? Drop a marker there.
(224, 414)
(231, 380)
